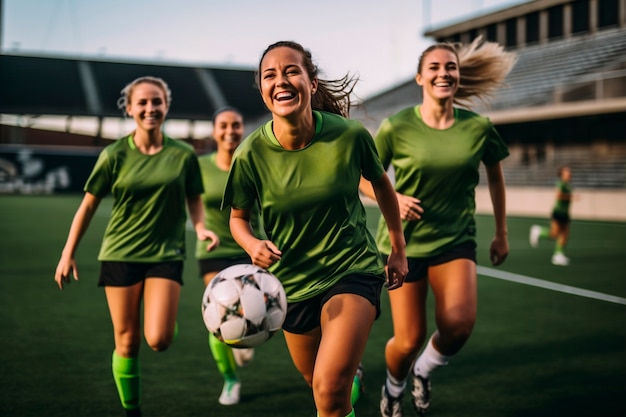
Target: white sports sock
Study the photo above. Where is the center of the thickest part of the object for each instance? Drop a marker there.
(429, 360)
(395, 387)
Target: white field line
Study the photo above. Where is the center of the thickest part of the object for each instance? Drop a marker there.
(522, 279)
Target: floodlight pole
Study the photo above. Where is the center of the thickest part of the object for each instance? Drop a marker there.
(425, 15)
(1, 26)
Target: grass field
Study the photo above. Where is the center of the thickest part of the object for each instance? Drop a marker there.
(534, 352)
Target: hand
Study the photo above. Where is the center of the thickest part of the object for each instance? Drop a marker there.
(499, 250)
(205, 234)
(65, 268)
(410, 209)
(397, 270)
(264, 254)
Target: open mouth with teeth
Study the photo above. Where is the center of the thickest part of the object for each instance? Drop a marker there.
(285, 95)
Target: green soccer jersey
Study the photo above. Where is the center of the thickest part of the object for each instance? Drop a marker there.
(217, 220)
(441, 168)
(309, 200)
(562, 206)
(148, 218)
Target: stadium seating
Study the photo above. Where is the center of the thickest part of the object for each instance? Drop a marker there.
(542, 69)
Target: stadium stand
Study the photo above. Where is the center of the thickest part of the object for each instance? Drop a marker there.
(87, 87)
(564, 102)
(544, 71)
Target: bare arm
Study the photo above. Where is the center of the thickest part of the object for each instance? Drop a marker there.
(500, 245)
(397, 267)
(409, 207)
(561, 196)
(196, 214)
(80, 223)
(262, 252)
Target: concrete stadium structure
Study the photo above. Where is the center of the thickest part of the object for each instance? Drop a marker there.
(564, 103)
(565, 100)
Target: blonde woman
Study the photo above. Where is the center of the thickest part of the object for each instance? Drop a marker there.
(153, 179)
(435, 149)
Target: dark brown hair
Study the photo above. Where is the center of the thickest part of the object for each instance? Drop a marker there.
(332, 95)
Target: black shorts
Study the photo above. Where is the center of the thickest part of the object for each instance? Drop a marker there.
(217, 264)
(125, 274)
(304, 316)
(418, 267)
(561, 218)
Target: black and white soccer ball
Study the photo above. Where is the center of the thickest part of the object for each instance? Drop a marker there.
(244, 305)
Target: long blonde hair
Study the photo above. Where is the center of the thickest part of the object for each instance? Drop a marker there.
(483, 66)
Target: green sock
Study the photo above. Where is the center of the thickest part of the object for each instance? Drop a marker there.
(127, 379)
(356, 391)
(352, 414)
(545, 232)
(224, 358)
(558, 248)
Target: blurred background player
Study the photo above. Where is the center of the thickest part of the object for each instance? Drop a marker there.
(228, 130)
(559, 219)
(435, 149)
(151, 177)
(303, 169)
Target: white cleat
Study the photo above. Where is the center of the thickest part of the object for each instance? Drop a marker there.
(535, 231)
(560, 259)
(230, 393)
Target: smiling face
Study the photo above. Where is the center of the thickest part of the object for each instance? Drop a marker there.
(439, 74)
(228, 130)
(285, 85)
(147, 104)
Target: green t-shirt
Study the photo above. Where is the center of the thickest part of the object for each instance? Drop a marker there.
(309, 200)
(562, 206)
(148, 218)
(441, 168)
(217, 220)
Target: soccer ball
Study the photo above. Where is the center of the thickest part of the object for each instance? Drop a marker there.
(244, 305)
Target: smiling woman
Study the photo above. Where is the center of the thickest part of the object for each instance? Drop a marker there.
(435, 193)
(319, 245)
(152, 178)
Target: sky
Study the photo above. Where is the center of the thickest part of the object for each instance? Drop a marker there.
(378, 41)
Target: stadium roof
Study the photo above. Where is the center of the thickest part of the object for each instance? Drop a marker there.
(40, 85)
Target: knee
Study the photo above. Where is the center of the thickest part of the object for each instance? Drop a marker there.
(159, 346)
(127, 345)
(407, 344)
(464, 327)
(457, 331)
(329, 392)
(159, 342)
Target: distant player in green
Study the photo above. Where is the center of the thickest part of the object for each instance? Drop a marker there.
(302, 169)
(435, 149)
(153, 180)
(559, 220)
(228, 128)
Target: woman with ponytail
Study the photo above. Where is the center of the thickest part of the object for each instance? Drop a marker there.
(302, 169)
(435, 149)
